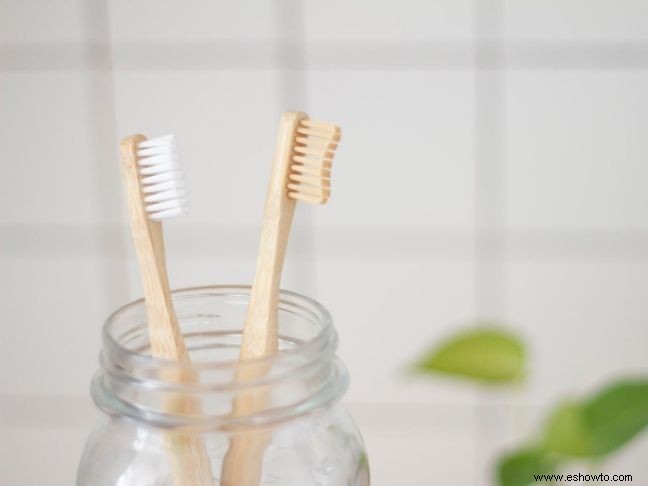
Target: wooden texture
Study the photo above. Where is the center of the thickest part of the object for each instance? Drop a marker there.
(190, 463)
(300, 171)
(243, 462)
(260, 331)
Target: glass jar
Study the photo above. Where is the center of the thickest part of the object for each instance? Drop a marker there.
(306, 437)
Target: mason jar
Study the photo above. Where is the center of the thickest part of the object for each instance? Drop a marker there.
(297, 433)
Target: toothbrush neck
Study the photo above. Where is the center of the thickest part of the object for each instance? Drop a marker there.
(273, 244)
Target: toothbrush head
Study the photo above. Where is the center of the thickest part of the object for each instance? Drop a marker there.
(310, 169)
(162, 178)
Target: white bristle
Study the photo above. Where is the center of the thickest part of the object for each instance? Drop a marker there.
(162, 178)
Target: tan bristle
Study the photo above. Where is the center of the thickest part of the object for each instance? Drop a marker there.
(326, 131)
(313, 152)
(308, 199)
(308, 180)
(314, 191)
(315, 142)
(314, 123)
(312, 162)
(303, 169)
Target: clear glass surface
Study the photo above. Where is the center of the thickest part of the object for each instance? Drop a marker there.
(312, 441)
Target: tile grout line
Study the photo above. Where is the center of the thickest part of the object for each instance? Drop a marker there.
(103, 121)
(292, 94)
(490, 163)
(490, 187)
(49, 241)
(243, 55)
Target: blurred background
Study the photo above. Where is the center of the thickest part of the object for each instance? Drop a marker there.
(493, 166)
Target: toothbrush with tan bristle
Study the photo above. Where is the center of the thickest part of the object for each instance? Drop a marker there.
(155, 187)
(301, 171)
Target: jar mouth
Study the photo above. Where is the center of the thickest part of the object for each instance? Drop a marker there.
(321, 339)
(304, 374)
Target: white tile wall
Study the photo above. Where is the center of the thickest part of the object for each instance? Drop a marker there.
(576, 151)
(378, 21)
(54, 449)
(32, 21)
(576, 20)
(405, 133)
(378, 309)
(151, 21)
(47, 145)
(51, 328)
(418, 444)
(585, 322)
(226, 168)
(517, 189)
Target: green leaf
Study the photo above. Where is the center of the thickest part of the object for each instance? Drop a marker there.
(616, 415)
(566, 432)
(486, 354)
(518, 468)
(600, 425)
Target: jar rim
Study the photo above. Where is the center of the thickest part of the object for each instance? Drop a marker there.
(133, 383)
(319, 341)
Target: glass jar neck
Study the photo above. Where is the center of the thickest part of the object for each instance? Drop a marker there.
(303, 376)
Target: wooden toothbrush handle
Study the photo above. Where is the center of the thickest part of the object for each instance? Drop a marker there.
(165, 336)
(243, 463)
(190, 465)
(260, 331)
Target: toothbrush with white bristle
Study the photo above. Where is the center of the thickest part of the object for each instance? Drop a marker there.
(156, 192)
(162, 178)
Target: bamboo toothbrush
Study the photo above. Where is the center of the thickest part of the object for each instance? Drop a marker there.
(155, 188)
(301, 172)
